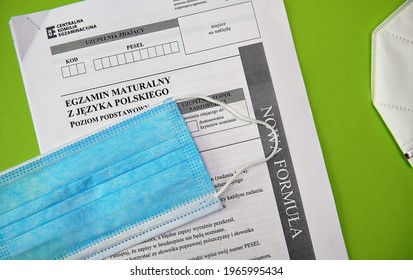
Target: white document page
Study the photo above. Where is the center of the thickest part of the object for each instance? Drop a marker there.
(92, 63)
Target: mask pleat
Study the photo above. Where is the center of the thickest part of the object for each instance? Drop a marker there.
(91, 181)
(43, 180)
(93, 194)
(80, 228)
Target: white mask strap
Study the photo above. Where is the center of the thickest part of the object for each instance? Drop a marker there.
(244, 118)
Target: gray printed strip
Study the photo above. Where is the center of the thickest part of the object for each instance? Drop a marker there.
(114, 36)
(285, 187)
(198, 104)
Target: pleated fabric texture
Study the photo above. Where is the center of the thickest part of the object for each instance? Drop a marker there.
(107, 192)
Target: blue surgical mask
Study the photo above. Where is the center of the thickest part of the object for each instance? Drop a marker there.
(109, 191)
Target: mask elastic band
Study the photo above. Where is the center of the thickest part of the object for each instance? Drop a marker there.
(244, 118)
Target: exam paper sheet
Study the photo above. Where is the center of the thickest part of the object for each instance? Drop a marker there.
(92, 63)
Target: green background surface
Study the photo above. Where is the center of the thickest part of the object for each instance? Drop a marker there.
(371, 181)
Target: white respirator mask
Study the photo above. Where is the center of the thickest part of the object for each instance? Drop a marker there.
(392, 75)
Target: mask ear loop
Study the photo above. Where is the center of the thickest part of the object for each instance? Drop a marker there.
(244, 118)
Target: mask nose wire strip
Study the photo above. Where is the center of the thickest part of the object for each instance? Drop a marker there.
(244, 118)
